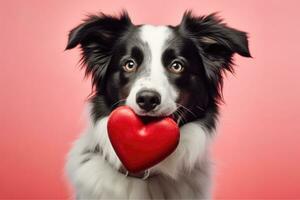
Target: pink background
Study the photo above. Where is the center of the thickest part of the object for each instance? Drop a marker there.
(256, 152)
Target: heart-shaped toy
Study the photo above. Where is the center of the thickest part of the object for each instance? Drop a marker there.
(138, 144)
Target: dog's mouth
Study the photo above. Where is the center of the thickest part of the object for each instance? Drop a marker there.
(179, 116)
(154, 113)
(148, 119)
(151, 116)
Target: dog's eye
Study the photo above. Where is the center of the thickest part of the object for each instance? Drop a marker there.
(129, 66)
(176, 67)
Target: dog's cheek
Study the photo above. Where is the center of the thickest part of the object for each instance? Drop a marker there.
(112, 88)
(124, 91)
(192, 90)
(183, 97)
(181, 85)
(126, 83)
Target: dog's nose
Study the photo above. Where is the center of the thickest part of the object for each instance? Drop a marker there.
(148, 99)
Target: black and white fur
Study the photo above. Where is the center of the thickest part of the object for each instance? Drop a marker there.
(204, 47)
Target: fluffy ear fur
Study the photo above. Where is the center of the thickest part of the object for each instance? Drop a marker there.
(216, 43)
(97, 36)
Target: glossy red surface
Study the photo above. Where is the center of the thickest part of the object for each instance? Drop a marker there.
(138, 144)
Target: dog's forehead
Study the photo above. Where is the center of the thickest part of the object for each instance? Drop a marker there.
(156, 37)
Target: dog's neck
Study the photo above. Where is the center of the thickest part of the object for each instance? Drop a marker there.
(141, 175)
(194, 138)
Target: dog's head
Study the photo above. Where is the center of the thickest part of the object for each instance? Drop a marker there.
(158, 70)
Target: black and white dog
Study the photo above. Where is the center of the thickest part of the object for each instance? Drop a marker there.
(157, 71)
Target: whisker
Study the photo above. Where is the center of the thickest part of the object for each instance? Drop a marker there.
(116, 103)
(187, 109)
(181, 114)
(200, 108)
(176, 115)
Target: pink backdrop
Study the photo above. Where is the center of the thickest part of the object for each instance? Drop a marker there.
(256, 152)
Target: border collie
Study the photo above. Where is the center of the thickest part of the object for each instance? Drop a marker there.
(157, 71)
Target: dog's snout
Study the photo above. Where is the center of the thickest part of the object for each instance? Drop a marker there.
(148, 99)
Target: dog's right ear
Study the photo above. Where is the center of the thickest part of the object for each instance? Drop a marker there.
(98, 28)
(97, 36)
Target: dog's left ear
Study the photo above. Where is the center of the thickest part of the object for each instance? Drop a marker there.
(216, 43)
(215, 40)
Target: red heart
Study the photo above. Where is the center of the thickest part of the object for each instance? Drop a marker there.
(141, 145)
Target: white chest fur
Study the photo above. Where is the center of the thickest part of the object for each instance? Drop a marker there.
(184, 174)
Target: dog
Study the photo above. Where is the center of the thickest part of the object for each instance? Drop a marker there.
(157, 71)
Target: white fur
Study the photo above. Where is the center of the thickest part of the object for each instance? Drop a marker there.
(155, 37)
(184, 174)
